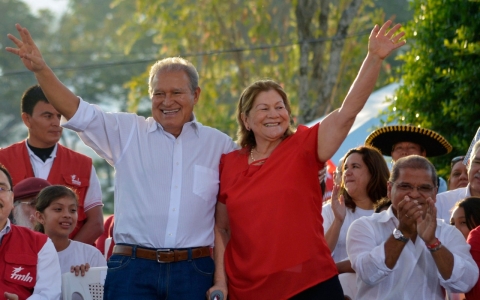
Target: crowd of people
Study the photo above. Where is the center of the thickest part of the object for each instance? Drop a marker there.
(197, 215)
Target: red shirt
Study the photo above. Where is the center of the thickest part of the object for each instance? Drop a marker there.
(107, 233)
(474, 241)
(277, 247)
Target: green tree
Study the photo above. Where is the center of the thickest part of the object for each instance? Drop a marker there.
(13, 81)
(87, 53)
(233, 43)
(340, 34)
(441, 73)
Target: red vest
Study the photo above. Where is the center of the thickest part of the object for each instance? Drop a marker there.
(69, 168)
(18, 260)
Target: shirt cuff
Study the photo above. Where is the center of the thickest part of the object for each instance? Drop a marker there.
(82, 117)
(463, 277)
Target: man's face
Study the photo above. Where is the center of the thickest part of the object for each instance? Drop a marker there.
(416, 184)
(474, 174)
(44, 129)
(6, 199)
(403, 149)
(173, 100)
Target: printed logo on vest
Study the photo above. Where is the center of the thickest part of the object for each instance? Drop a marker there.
(21, 277)
(75, 180)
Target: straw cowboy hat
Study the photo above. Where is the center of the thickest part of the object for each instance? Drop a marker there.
(386, 137)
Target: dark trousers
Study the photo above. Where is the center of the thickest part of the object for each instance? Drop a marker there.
(329, 289)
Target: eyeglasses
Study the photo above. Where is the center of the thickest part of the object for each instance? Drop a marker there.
(4, 190)
(31, 203)
(455, 160)
(408, 188)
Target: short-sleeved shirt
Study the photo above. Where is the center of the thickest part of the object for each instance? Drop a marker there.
(277, 247)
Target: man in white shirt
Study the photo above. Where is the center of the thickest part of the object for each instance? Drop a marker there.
(405, 252)
(28, 260)
(166, 179)
(446, 201)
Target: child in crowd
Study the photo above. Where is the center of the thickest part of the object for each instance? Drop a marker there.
(56, 213)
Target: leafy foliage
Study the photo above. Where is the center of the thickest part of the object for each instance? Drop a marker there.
(12, 82)
(441, 73)
(230, 43)
(233, 43)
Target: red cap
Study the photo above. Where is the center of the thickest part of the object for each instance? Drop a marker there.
(29, 187)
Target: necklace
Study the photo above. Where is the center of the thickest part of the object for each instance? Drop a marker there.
(251, 155)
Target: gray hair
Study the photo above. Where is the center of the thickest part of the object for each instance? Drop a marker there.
(473, 153)
(172, 64)
(20, 218)
(413, 162)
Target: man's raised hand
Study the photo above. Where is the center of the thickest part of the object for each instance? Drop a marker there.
(27, 50)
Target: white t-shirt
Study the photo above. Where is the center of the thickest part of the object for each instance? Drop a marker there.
(340, 251)
(78, 253)
(447, 200)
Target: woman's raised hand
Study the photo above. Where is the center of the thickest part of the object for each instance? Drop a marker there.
(383, 41)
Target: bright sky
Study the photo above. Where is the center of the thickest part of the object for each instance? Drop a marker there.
(57, 6)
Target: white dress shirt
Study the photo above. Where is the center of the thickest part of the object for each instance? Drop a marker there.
(340, 251)
(48, 285)
(165, 187)
(41, 169)
(415, 275)
(446, 201)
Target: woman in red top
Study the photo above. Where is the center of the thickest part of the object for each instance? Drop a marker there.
(269, 241)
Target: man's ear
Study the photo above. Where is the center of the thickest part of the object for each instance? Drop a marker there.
(196, 95)
(389, 190)
(26, 119)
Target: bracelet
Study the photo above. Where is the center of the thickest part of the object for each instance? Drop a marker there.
(434, 245)
(435, 249)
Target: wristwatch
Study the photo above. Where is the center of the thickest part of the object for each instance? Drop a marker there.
(398, 235)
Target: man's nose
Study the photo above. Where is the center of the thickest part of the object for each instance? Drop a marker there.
(56, 121)
(168, 100)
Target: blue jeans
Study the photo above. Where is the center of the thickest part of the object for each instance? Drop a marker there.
(138, 278)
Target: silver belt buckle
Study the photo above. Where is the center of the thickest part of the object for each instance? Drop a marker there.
(158, 255)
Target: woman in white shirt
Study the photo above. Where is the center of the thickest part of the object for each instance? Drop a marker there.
(56, 213)
(364, 182)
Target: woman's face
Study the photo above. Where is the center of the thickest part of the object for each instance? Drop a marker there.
(268, 118)
(59, 218)
(458, 176)
(458, 220)
(356, 176)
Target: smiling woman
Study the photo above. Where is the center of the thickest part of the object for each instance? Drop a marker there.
(273, 183)
(364, 183)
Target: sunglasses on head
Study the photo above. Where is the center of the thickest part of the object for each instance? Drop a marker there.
(456, 159)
